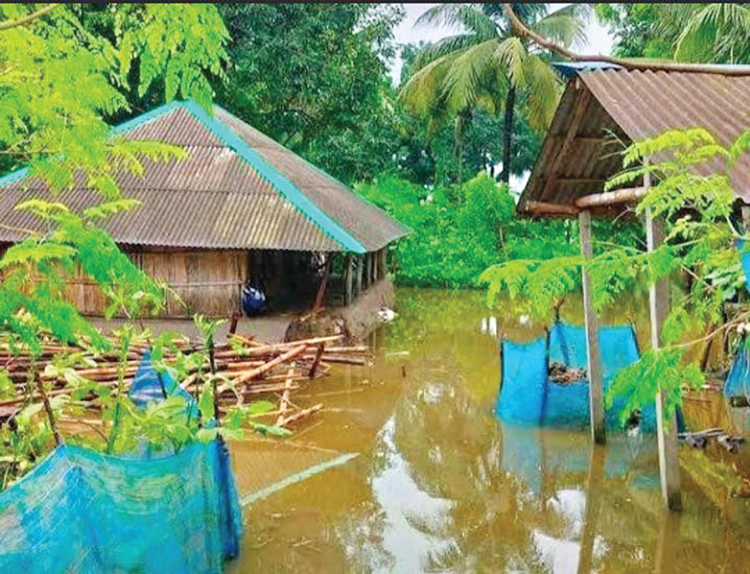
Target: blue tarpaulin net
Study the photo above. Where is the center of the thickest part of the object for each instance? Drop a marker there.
(738, 380)
(82, 511)
(152, 386)
(528, 396)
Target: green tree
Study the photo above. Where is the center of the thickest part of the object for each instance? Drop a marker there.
(705, 33)
(636, 30)
(489, 66)
(314, 78)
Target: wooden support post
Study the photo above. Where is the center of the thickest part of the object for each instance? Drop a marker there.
(320, 296)
(348, 279)
(368, 270)
(360, 267)
(382, 262)
(745, 212)
(374, 260)
(666, 430)
(596, 398)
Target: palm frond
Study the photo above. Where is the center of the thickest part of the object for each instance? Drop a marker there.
(543, 89)
(566, 26)
(460, 15)
(464, 78)
(702, 38)
(512, 55)
(423, 91)
(443, 47)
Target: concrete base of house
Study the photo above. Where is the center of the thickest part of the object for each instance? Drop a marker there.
(360, 318)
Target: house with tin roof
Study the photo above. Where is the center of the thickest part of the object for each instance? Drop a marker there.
(240, 208)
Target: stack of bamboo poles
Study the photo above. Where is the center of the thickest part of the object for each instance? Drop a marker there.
(251, 370)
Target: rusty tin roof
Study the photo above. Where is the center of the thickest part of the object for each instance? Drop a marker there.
(237, 189)
(602, 111)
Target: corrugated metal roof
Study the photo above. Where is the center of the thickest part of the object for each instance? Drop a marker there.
(629, 105)
(220, 196)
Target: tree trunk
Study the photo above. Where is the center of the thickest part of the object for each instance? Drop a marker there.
(459, 148)
(510, 104)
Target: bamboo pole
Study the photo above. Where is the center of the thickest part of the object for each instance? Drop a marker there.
(547, 208)
(666, 430)
(284, 403)
(299, 415)
(625, 195)
(593, 355)
(244, 377)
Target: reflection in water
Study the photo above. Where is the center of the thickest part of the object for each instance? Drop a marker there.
(443, 486)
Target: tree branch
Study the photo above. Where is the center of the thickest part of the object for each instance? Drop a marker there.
(525, 32)
(26, 19)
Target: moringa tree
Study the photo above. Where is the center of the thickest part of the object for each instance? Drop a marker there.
(488, 65)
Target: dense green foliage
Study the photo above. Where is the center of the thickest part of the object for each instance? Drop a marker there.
(314, 78)
(458, 231)
(701, 32)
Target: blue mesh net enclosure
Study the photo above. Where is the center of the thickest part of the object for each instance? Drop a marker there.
(738, 380)
(82, 511)
(149, 385)
(527, 394)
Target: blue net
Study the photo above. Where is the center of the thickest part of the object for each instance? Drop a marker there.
(152, 386)
(744, 260)
(82, 511)
(738, 380)
(528, 396)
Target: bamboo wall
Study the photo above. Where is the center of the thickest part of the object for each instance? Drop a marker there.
(206, 281)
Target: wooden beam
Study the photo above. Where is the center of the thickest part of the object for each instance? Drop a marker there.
(547, 208)
(625, 195)
(575, 122)
(666, 430)
(596, 396)
(348, 279)
(368, 269)
(360, 266)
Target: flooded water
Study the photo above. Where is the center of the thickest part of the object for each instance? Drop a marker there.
(441, 485)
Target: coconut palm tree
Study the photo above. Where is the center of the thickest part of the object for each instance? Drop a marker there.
(487, 65)
(711, 32)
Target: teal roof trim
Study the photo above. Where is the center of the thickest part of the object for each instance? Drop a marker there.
(14, 176)
(19, 174)
(280, 182)
(145, 118)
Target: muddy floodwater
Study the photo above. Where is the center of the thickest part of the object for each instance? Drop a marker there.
(439, 484)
